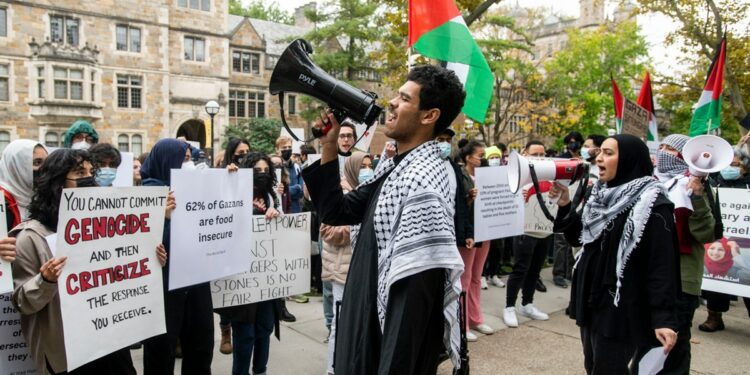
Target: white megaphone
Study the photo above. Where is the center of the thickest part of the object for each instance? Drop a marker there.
(519, 171)
(706, 154)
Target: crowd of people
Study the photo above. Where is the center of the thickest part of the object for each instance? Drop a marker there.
(393, 244)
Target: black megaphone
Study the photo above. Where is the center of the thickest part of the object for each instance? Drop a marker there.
(296, 72)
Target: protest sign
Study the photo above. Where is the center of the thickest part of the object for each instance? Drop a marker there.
(367, 136)
(279, 265)
(299, 132)
(634, 119)
(534, 222)
(15, 358)
(6, 279)
(727, 261)
(498, 213)
(124, 175)
(208, 235)
(111, 285)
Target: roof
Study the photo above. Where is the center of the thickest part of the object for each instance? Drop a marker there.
(277, 35)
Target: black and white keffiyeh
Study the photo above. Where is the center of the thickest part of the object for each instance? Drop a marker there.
(414, 230)
(605, 204)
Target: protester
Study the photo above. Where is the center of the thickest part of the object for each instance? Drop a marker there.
(80, 136)
(238, 148)
(35, 270)
(19, 164)
(252, 324)
(403, 283)
(736, 176)
(189, 315)
(106, 159)
(491, 271)
(695, 227)
(473, 254)
(136, 172)
(529, 252)
(347, 137)
(296, 184)
(625, 283)
(573, 143)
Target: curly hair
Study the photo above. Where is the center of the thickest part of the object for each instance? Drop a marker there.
(439, 88)
(45, 203)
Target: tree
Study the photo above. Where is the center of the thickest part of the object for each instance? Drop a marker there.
(261, 133)
(260, 10)
(579, 73)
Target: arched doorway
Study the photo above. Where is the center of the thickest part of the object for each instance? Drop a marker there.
(193, 130)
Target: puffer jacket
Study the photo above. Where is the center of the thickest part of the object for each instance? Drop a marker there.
(337, 252)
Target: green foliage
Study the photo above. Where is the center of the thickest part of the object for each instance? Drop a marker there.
(261, 133)
(260, 10)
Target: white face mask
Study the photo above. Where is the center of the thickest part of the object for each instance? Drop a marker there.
(494, 162)
(82, 145)
(189, 165)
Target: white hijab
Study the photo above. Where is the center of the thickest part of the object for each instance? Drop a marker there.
(16, 172)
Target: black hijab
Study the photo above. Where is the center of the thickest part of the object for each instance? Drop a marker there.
(634, 160)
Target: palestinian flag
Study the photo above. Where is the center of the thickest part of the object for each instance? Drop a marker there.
(646, 100)
(707, 115)
(438, 31)
(619, 103)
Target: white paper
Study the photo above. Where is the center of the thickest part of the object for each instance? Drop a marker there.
(124, 175)
(367, 136)
(52, 243)
(535, 223)
(498, 213)
(652, 362)
(279, 266)
(111, 286)
(299, 132)
(678, 193)
(6, 277)
(312, 158)
(14, 352)
(209, 232)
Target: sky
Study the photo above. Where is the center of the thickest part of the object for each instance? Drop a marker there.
(664, 58)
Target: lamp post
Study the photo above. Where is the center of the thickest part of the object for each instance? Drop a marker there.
(212, 108)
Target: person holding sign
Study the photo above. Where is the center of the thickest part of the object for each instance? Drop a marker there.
(20, 161)
(626, 280)
(400, 304)
(189, 313)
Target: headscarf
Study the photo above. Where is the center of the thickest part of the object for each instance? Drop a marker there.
(722, 266)
(78, 127)
(634, 160)
(669, 165)
(166, 155)
(352, 165)
(17, 174)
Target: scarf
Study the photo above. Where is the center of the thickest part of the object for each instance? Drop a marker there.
(668, 165)
(17, 173)
(415, 233)
(722, 266)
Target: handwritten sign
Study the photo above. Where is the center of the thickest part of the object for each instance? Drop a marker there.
(727, 261)
(498, 213)
(15, 358)
(208, 232)
(634, 119)
(535, 223)
(111, 285)
(6, 278)
(279, 265)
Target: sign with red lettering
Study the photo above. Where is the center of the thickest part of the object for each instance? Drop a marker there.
(6, 279)
(111, 285)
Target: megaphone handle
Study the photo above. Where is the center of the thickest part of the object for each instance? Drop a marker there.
(538, 193)
(580, 194)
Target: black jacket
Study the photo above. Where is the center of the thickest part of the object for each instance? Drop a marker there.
(462, 220)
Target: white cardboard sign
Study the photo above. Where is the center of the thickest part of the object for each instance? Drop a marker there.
(208, 234)
(279, 265)
(6, 278)
(15, 358)
(535, 223)
(124, 175)
(111, 286)
(498, 213)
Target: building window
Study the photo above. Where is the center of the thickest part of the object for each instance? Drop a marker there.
(292, 104)
(362, 75)
(129, 91)
(3, 22)
(41, 90)
(271, 62)
(123, 143)
(246, 62)
(52, 139)
(93, 86)
(246, 104)
(132, 143)
(68, 84)
(4, 82)
(195, 4)
(4, 140)
(128, 38)
(513, 124)
(195, 49)
(64, 29)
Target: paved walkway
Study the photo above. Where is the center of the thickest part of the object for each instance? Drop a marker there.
(550, 347)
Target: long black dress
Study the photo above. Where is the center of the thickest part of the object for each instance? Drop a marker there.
(411, 339)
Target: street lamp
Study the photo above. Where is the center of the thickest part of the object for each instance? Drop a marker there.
(212, 108)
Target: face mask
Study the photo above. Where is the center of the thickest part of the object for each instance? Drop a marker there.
(445, 149)
(494, 162)
(105, 176)
(585, 153)
(730, 173)
(189, 165)
(237, 159)
(669, 164)
(574, 146)
(286, 154)
(262, 180)
(82, 145)
(365, 174)
(86, 182)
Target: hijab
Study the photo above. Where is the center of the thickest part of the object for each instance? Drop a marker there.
(722, 266)
(352, 165)
(167, 154)
(634, 160)
(17, 172)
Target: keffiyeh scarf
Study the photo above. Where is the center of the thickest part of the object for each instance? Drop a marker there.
(414, 231)
(605, 204)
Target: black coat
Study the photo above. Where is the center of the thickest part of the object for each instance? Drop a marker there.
(462, 219)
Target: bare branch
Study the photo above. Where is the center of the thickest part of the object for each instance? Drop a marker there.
(476, 13)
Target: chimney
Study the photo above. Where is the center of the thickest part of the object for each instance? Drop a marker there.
(299, 15)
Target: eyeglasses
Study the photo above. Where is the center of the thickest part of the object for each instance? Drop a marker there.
(346, 136)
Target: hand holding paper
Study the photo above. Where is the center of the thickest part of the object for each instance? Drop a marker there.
(8, 249)
(667, 337)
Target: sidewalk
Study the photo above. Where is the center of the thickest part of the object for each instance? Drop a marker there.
(549, 347)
